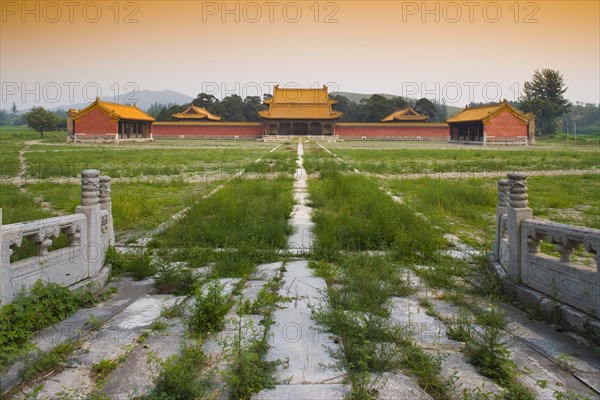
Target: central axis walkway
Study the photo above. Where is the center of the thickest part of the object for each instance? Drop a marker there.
(308, 368)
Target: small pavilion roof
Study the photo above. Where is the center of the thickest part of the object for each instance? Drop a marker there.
(405, 114)
(194, 112)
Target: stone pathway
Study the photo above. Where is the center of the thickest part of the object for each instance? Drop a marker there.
(308, 369)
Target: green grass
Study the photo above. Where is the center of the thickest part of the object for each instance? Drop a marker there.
(567, 199)
(465, 159)
(466, 207)
(47, 360)
(247, 218)
(358, 312)
(42, 306)
(128, 161)
(209, 309)
(19, 207)
(352, 213)
(137, 263)
(137, 206)
(183, 376)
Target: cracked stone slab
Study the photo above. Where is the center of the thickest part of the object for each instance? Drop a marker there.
(135, 375)
(76, 327)
(390, 386)
(114, 340)
(295, 338)
(304, 392)
(265, 272)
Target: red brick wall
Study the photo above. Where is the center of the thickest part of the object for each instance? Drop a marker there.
(392, 131)
(505, 127)
(96, 122)
(217, 130)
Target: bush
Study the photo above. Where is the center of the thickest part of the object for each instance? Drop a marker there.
(44, 305)
(174, 279)
(210, 307)
(180, 378)
(137, 263)
(488, 351)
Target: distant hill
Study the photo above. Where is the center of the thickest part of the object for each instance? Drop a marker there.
(143, 98)
(357, 97)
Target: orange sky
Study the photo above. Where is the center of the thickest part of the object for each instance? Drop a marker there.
(449, 50)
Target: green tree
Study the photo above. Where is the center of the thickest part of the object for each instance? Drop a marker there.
(543, 96)
(399, 103)
(252, 105)
(14, 110)
(426, 107)
(42, 120)
(207, 101)
(376, 108)
(232, 108)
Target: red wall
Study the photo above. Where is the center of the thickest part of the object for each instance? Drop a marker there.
(96, 122)
(392, 131)
(505, 127)
(207, 130)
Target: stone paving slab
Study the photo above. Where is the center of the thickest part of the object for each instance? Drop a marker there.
(392, 386)
(536, 368)
(76, 327)
(111, 342)
(296, 339)
(135, 375)
(430, 333)
(304, 392)
(265, 272)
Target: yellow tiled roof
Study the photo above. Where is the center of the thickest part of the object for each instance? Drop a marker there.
(485, 113)
(116, 111)
(194, 112)
(291, 103)
(300, 111)
(405, 114)
(300, 96)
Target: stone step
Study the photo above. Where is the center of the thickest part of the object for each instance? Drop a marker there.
(115, 339)
(76, 327)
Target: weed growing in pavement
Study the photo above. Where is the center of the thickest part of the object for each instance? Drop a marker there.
(210, 307)
(183, 376)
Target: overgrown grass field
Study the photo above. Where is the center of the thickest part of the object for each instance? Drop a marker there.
(467, 159)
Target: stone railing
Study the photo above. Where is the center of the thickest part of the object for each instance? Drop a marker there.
(547, 280)
(89, 233)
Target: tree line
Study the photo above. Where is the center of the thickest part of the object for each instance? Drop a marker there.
(543, 96)
(235, 109)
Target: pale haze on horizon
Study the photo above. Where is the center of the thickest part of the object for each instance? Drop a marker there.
(54, 53)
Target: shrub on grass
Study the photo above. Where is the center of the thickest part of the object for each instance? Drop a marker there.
(180, 377)
(138, 263)
(42, 306)
(210, 307)
(487, 349)
(175, 279)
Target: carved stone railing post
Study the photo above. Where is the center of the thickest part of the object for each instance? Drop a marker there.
(90, 206)
(517, 212)
(106, 204)
(500, 210)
